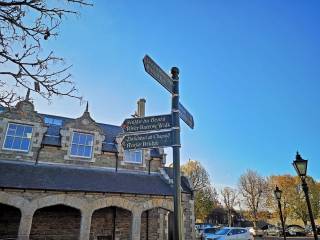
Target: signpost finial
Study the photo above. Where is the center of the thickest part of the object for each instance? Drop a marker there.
(175, 72)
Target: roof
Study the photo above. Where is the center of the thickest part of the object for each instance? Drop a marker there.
(27, 175)
(53, 137)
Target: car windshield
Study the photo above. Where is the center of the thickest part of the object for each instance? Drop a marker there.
(210, 230)
(223, 231)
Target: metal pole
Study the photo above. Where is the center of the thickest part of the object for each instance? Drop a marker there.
(177, 226)
(281, 218)
(306, 193)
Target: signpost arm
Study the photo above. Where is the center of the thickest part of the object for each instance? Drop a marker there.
(176, 155)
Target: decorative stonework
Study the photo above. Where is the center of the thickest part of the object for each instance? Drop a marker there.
(84, 124)
(23, 113)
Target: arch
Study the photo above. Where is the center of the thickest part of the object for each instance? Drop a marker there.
(57, 221)
(13, 200)
(10, 218)
(158, 203)
(113, 202)
(61, 199)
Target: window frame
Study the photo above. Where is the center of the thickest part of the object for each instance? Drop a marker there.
(14, 149)
(133, 162)
(71, 143)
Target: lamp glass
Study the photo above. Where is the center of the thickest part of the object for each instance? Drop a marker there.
(301, 167)
(277, 193)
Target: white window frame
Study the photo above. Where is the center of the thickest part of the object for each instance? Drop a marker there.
(14, 149)
(134, 162)
(79, 156)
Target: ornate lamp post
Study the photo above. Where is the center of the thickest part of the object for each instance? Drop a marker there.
(300, 165)
(277, 194)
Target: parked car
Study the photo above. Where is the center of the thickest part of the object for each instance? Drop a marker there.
(273, 231)
(230, 233)
(295, 230)
(256, 232)
(208, 230)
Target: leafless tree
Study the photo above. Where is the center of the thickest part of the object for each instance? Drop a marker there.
(253, 188)
(229, 196)
(197, 174)
(24, 25)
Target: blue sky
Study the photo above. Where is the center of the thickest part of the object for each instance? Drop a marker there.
(249, 74)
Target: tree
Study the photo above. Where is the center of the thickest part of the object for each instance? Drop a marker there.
(229, 196)
(253, 188)
(197, 174)
(24, 25)
(206, 197)
(299, 206)
(287, 184)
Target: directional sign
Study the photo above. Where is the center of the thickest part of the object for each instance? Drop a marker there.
(152, 123)
(157, 73)
(186, 116)
(147, 140)
(162, 77)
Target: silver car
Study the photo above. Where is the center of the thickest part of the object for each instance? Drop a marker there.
(231, 233)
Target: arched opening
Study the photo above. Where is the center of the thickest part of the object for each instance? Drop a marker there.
(58, 222)
(9, 221)
(111, 223)
(155, 224)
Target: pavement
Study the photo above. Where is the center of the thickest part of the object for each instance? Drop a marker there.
(281, 238)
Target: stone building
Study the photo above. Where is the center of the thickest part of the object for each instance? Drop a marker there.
(63, 178)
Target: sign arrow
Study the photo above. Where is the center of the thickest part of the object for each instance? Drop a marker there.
(147, 140)
(163, 78)
(152, 123)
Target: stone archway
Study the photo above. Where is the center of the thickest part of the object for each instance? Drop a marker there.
(9, 221)
(111, 223)
(57, 222)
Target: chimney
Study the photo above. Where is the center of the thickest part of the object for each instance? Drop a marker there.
(141, 111)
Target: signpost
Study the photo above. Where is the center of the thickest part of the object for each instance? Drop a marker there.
(147, 140)
(153, 123)
(162, 131)
(167, 82)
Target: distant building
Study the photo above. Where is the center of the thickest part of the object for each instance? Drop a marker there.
(64, 178)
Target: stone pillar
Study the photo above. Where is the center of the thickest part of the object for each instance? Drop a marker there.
(136, 225)
(85, 227)
(25, 225)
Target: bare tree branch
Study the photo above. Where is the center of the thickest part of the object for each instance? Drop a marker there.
(24, 25)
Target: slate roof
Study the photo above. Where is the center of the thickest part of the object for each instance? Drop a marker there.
(27, 175)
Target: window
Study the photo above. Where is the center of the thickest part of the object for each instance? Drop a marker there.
(81, 145)
(18, 137)
(52, 121)
(133, 156)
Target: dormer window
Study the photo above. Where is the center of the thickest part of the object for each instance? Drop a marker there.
(133, 156)
(82, 144)
(18, 137)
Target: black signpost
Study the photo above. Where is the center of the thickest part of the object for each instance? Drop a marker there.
(162, 131)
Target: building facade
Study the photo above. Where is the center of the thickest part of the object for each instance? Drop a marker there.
(64, 178)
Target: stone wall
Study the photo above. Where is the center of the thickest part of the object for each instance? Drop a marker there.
(56, 223)
(130, 223)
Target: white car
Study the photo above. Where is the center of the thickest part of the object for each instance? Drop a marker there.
(256, 231)
(229, 233)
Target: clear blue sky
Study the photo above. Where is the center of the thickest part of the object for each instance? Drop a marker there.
(249, 74)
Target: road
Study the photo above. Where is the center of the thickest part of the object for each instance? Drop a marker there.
(281, 238)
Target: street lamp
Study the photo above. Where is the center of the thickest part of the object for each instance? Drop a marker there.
(301, 165)
(277, 194)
